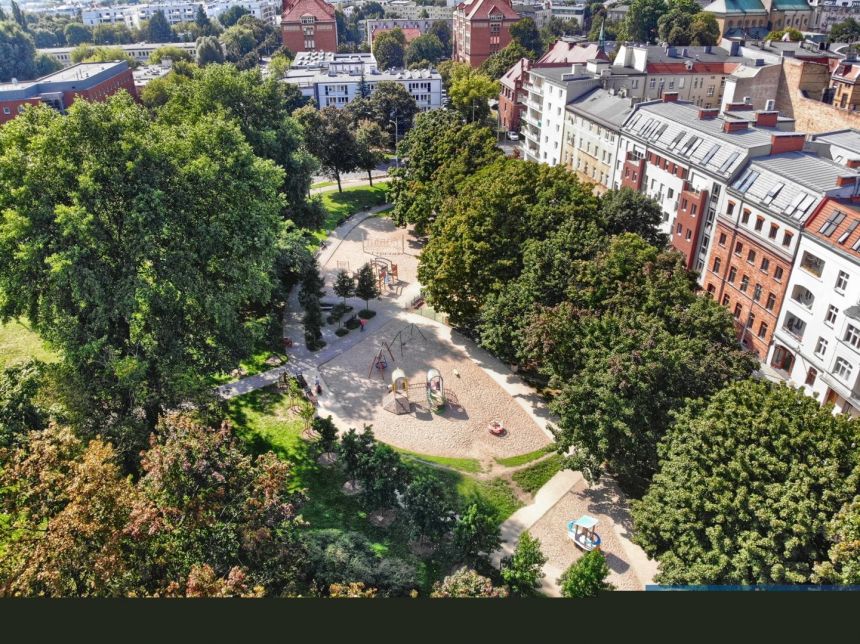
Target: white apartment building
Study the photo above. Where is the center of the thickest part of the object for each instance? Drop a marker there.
(174, 12)
(817, 341)
(139, 51)
(265, 10)
(548, 92)
(408, 10)
(340, 89)
(103, 15)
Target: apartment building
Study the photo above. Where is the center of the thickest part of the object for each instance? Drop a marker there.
(826, 13)
(481, 28)
(411, 29)
(174, 12)
(341, 88)
(308, 25)
(139, 51)
(592, 131)
(817, 341)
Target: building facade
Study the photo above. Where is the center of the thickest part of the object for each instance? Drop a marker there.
(139, 51)
(308, 25)
(481, 28)
(90, 81)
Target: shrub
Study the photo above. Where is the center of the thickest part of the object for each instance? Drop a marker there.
(585, 577)
(366, 314)
(522, 571)
(341, 332)
(352, 323)
(327, 430)
(466, 583)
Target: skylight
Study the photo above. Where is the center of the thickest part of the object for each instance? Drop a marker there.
(851, 228)
(832, 222)
(728, 162)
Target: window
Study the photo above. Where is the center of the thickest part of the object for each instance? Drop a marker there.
(786, 239)
(852, 336)
(762, 330)
(730, 208)
(716, 264)
(722, 241)
(751, 256)
(733, 272)
(711, 289)
(739, 247)
(745, 283)
(794, 325)
(771, 302)
(812, 264)
(679, 229)
(759, 222)
(652, 83)
(746, 180)
(830, 318)
(851, 228)
(777, 273)
(689, 234)
(841, 282)
(773, 192)
(6, 110)
(750, 320)
(745, 218)
(811, 375)
(694, 209)
(842, 369)
(738, 310)
(773, 230)
(725, 300)
(757, 293)
(832, 222)
(765, 264)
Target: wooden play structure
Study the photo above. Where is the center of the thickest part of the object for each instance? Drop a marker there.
(385, 272)
(583, 534)
(396, 246)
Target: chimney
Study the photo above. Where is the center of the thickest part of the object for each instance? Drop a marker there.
(737, 107)
(670, 97)
(708, 113)
(766, 118)
(789, 142)
(735, 126)
(848, 180)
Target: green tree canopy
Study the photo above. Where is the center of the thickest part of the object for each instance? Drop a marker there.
(585, 577)
(209, 50)
(232, 15)
(846, 31)
(329, 137)
(522, 570)
(135, 246)
(470, 90)
(389, 50)
(17, 53)
(499, 63)
(525, 33)
(442, 30)
(391, 104)
(77, 33)
(465, 582)
(158, 29)
(630, 211)
(426, 47)
(747, 486)
(641, 22)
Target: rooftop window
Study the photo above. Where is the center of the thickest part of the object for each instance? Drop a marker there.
(829, 226)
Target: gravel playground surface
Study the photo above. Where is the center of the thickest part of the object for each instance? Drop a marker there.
(474, 399)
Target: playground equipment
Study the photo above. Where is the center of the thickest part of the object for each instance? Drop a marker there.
(583, 534)
(395, 246)
(496, 428)
(435, 390)
(385, 272)
(397, 400)
(405, 334)
(379, 361)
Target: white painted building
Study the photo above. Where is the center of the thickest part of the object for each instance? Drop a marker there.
(818, 336)
(139, 51)
(174, 12)
(265, 10)
(103, 15)
(340, 89)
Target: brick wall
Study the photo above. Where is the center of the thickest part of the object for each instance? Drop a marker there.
(325, 36)
(12, 108)
(810, 114)
(632, 174)
(688, 222)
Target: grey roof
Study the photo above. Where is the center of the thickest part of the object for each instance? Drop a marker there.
(601, 106)
(80, 76)
(806, 169)
(317, 76)
(556, 74)
(713, 54)
(847, 139)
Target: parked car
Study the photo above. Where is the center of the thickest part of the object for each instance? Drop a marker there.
(514, 136)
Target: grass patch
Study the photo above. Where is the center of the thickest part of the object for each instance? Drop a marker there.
(535, 477)
(252, 365)
(522, 459)
(339, 206)
(18, 343)
(469, 465)
(323, 184)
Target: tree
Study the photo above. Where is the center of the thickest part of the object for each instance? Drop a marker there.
(127, 196)
(426, 47)
(525, 33)
(382, 475)
(262, 108)
(20, 410)
(843, 533)
(240, 46)
(793, 35)
(428, 508)
(18, 15)
(353, 449)
(611, 29)
(747, 487)
(522, 570)
(498, 64)
(846, 31)
(90, 54)
(586, 577)
(466, 583)
(555, 28)
(327, 431)
(476, 534)
(365, 285)
(442, 30)
(704, 29)
(202, 20)
(469, 92)
(640, 24)
(17, 53)
(344, 285)
(442, 152)
(170, 51)
(329, 137)
(629, 211)
(209, 51)
(158, 29)
(370, 141)
(44, 38)
(309, 298)
(77, 33)
(232, 15)
(46, 64)
(394, 108)
(279, 65)
(388, 50)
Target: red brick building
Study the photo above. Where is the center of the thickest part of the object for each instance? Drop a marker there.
(91, 81)
(309, 25)
(481, 28)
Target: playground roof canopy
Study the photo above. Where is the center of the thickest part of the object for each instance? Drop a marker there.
(586, 522)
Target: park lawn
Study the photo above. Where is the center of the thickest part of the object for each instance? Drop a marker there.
(339, 206)
(522, 459)
(252, 365)
(535, 477)
(263, 422)
(468, 465)
(323, 184)
(19, 343)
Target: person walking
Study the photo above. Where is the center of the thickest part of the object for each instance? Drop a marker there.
(361, 323)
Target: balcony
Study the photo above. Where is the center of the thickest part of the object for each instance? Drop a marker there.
(534, 89)
(531, 120)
